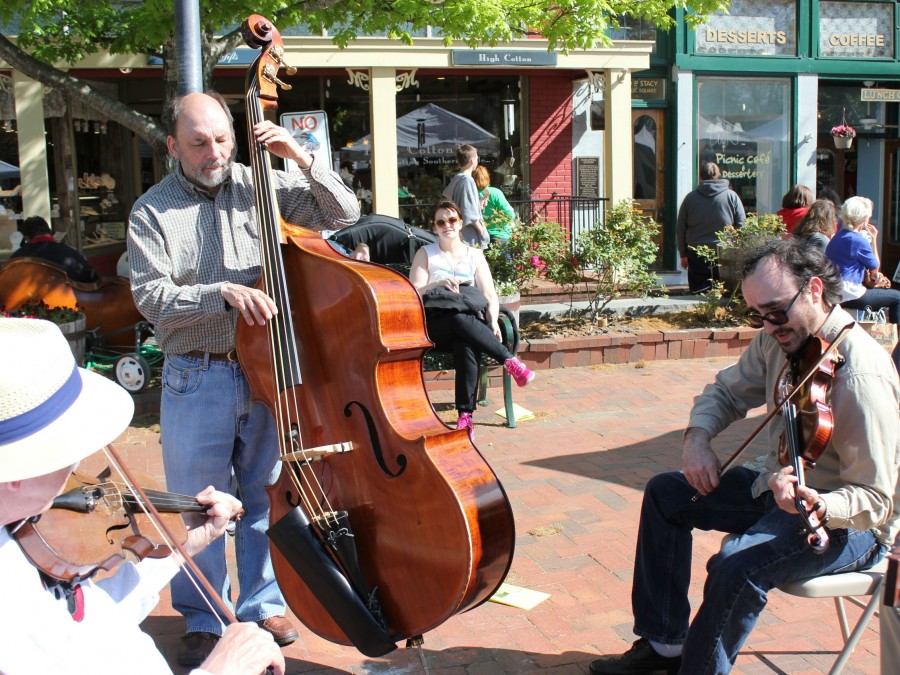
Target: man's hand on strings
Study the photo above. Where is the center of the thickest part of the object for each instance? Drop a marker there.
(255, 306)
(279, 141)
(698, 461)
(785, 489)
(205, 528)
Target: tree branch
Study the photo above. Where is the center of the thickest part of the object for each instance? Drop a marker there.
(78, 90)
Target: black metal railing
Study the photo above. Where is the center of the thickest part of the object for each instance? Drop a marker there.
(576, 214)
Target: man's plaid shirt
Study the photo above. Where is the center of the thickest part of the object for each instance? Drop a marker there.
(184, 244)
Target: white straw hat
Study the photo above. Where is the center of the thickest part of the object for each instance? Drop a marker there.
(52, 413)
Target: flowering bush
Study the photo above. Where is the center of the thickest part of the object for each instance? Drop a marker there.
(611, 259)
(39, 310)
(517, 263)
(843, 131)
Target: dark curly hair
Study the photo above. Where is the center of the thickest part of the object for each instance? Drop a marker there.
(821, 217)
(801, 261)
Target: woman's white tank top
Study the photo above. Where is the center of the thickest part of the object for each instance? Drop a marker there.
(441, 265)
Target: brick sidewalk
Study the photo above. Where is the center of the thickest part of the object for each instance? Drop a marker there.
(574, 475)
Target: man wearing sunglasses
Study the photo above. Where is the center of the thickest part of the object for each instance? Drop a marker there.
(792, 293)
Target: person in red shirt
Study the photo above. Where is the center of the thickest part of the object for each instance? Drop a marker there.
(794, 206)
(40, 243)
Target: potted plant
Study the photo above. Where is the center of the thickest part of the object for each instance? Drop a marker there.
(71, 321)
(843, 135)
(732, 244)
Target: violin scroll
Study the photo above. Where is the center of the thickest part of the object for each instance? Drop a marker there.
(259, 33)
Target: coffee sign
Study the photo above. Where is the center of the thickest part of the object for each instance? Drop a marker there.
(856, 29)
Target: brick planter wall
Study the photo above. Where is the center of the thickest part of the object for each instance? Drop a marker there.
(695, 343)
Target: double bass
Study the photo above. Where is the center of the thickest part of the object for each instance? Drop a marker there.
(384, 523)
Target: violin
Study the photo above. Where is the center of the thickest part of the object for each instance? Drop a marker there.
(96, 524)
(808, 425)
(817, 430)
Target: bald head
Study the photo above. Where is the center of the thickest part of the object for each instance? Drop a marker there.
(194, 100)
(201, 138)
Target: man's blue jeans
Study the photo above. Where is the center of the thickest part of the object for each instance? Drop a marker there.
(771, 551)
(211, 430)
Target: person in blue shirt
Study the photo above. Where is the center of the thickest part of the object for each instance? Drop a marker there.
(854, 251)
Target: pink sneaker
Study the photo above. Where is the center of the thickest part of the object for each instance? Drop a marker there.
(519, 371)
(465, 422)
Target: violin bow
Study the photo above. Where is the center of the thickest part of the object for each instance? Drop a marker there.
(826, 353)
(187, 563)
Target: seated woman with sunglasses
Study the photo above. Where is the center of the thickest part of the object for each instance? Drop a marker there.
(450, 264)
(854, 252)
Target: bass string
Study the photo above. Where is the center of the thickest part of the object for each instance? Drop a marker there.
(281, 335)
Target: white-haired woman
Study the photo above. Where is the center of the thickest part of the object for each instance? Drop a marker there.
(854, 251)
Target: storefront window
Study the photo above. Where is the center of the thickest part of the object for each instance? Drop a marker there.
(435, 116)
(634, 28)
(744, 127)
(856, 29)
(645, 160)
(759, 27)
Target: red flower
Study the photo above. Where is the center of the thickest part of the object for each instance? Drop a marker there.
(535, 261)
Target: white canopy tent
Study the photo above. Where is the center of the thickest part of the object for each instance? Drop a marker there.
(7, 170)
(442, 132)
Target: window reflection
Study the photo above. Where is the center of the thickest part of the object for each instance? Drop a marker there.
(645, 158)
(743, 126)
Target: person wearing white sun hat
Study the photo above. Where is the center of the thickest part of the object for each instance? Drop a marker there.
(52, 415)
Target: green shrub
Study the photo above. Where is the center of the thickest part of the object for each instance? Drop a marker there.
(611, 260)
(724, 300)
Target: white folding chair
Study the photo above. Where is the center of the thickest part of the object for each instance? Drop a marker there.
(848, 586)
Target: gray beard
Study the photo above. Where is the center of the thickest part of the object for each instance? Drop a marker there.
(210, 182)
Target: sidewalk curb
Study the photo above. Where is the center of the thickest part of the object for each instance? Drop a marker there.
(618, 348)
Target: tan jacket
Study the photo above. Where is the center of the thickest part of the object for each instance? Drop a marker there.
(858, 470)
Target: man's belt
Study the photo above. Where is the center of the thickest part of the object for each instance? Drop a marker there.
(200, 354)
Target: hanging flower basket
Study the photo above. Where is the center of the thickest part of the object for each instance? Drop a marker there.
(842, 142)
(843, 135)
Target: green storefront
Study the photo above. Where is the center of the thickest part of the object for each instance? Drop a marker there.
(758, 90)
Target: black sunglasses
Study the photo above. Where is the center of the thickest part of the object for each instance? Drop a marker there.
(779, 317)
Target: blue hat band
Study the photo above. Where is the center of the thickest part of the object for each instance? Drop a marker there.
(43, 415)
